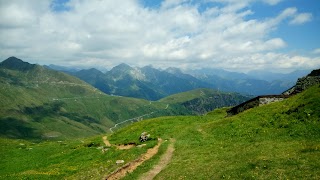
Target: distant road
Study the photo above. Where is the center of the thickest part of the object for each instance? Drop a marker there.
(135, 118)
(132, 119)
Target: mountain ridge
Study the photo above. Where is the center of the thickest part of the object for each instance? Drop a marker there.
(14, 63)
(153, 84)
(43, 103)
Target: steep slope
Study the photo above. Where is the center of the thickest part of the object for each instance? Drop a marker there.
(40, 103)
(147, 82)
(90, 76)
(170, 83)
(201, 101)
(279, 140)
(153, 84)
(62, 68)
(304, 83)
(37, 102)
(121, 80)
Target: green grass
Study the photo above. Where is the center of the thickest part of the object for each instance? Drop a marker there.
(39, 101)
(202, 101)
(77, 159)
(276, 141)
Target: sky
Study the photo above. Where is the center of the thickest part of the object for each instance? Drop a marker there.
(236, 35)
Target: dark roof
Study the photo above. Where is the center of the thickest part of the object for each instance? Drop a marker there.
(256, 98)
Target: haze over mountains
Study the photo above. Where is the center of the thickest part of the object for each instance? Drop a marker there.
(153, 84)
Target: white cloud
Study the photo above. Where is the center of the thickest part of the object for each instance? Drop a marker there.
(272, 2)
(294, 16)
(19, 13)
(271, 61)
(171, 3)
(177, 34)
(301, 18)
(316, 51)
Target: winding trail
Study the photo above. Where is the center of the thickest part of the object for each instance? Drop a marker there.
(131, 166)
(136, 118)
(164, 161)
(131, 119)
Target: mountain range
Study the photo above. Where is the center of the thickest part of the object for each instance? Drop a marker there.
(56, 126)
(274, 141)
(153, 84)
(37, 102)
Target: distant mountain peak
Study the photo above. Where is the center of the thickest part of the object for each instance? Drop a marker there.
(13, 59)
(90, 72)
(16, 64)
(122, 66)
(123, 70)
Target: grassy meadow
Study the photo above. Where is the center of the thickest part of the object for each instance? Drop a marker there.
(276, 141)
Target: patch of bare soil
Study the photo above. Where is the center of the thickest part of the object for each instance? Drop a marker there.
(164, 161)
(126, 146)
(106, 141)
(121, 147)
(131, 166)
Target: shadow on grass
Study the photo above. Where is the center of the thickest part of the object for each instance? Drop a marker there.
(14, 128)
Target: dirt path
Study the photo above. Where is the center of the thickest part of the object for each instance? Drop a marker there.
(131, 166)
(164, 161)
(127, 146)
(106, 141)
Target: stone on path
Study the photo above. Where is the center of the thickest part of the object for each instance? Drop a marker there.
(119, 162)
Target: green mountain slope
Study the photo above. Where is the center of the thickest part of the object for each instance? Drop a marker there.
(36, 102)
(40, 103)
(276, 141)
(201, 101)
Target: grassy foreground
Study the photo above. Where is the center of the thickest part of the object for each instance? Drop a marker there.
(276, 141)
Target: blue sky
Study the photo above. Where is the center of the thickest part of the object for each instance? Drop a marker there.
(237, 35)
(305, 37)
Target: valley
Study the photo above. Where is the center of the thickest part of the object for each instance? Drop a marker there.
(56, 126)
(37, 102)
(153, 84)
(159, 90)
(263, 142)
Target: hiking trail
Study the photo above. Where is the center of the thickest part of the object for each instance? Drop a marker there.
(164, 161)
(131, 166)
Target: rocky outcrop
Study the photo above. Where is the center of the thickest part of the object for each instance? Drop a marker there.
(144, 137)
(304, 83)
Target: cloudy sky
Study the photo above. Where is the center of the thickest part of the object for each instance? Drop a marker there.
(238, 35)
